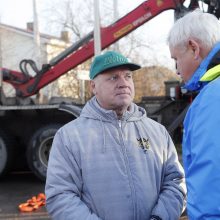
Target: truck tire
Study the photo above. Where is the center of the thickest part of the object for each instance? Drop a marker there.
(6, 154)
(39, 149)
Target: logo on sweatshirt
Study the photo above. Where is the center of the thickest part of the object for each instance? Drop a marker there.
(143, 143)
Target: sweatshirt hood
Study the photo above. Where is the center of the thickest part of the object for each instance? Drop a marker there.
(94, 111)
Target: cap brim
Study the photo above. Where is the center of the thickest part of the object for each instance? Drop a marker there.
(131, 66)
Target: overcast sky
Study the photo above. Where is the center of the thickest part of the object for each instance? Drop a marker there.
(14, 12)
(17, 13)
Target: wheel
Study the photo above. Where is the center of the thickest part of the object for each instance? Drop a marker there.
(6, 154)
(39, 149)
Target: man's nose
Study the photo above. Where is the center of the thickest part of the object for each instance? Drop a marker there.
(177, 72)
(122, 81)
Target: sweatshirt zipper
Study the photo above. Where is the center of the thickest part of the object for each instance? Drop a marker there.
(127, 167)
(119, 123)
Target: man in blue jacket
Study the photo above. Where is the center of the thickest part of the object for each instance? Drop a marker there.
(113, 162)
(194, 43)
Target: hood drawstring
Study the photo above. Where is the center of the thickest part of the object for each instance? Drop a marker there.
(104, 136)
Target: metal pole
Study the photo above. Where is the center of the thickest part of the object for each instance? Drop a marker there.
(97, 37)
(38, 50)
(115, 18)
(115, 10)
(36, 35)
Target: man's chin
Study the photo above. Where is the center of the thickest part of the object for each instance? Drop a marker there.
(124, 103)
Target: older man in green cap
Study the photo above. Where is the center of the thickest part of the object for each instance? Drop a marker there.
(113, 162)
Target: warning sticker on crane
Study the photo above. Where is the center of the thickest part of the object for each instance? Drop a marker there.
(159, 3)
(123, 31)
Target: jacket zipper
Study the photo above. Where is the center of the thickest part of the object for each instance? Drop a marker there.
(127, 166)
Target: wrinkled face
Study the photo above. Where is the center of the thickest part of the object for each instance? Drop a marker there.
(187, 60)
(114, 89)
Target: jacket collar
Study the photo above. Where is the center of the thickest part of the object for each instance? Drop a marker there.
(195, 84)
(211, 74)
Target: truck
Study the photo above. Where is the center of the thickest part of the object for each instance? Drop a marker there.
(27, 128)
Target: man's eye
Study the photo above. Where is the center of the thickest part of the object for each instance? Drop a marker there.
(112, 78)
(129, 75)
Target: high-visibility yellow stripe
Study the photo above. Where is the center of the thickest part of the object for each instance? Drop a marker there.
(211, 74)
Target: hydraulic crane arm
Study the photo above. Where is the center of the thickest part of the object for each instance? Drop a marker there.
(26, 85)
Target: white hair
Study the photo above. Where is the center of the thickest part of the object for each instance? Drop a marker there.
(197, 25)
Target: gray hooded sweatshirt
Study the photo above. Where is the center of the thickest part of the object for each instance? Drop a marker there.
(104, 168)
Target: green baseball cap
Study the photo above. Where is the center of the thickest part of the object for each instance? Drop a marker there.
(109, 60)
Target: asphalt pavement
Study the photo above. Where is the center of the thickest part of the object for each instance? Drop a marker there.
(17, 188)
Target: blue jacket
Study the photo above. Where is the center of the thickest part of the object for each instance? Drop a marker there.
(201, 141)
(103, 168)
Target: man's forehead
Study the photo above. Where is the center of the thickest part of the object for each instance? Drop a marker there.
(117, 70)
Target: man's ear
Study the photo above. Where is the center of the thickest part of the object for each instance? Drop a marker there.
(92, 86)
(194, 47)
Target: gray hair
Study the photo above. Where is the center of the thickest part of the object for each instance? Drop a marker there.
(197, 25)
